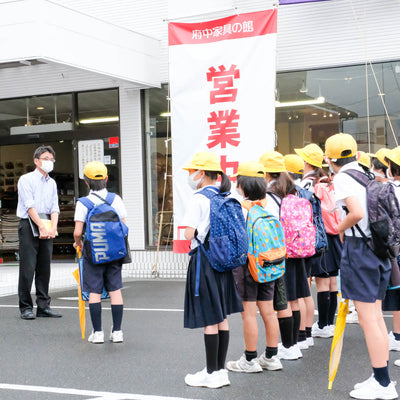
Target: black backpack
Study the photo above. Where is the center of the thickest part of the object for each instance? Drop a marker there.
(383, 215)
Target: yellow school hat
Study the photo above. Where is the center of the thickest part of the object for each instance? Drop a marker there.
(250, 168)
(364, 159)
(381, 154)
(336, 144)
(272, 161)
(204, 160)
(95, 170)
(394, 155)
(312, 154)
(294, 163)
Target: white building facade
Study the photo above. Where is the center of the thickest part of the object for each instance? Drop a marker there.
(88, 59)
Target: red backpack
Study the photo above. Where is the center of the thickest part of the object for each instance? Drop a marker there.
(330, 214)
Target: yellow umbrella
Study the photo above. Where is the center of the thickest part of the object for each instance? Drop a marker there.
(82, 311)
(337, 341)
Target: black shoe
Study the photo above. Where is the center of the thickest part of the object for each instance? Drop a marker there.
(47, 313)
(27, 314)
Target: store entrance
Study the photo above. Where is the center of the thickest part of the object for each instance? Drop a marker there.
(16, 160)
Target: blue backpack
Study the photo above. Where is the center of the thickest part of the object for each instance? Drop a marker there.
(321, 240)
(228, 236)
(105, 232)
(267, 250)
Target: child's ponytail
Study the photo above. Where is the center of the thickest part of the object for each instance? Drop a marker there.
(225, 183)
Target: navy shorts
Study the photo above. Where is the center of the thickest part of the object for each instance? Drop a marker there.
(249, 289)
(296, 279)
(96, 276)
(363, 276)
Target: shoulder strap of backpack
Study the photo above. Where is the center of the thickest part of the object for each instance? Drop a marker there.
(86, 202)
(274, 197)
(209, 191)
(360, 177)
(109, 198)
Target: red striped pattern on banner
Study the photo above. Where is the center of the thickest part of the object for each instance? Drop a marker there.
(234, 27)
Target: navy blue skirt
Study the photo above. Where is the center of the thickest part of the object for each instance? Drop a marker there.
(328, 263)
(296, 282)
(217, 298)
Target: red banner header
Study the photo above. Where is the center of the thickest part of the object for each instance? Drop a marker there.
(234, 27)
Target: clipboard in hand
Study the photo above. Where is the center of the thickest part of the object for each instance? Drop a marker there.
(46, 219)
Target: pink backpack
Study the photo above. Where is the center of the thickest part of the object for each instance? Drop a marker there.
(297, 223)
(330, 214)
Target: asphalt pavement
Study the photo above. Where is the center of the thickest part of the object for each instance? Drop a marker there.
(47, 359)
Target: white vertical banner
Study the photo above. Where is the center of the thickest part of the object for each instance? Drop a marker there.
(222, 87)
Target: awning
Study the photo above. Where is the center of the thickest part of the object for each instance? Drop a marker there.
(37, 32)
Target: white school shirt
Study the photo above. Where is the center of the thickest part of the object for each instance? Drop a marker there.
(346, 186)
(307, 183)
(81, 211)
(197, 216)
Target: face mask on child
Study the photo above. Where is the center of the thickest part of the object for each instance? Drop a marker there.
(192, 183)
(239, 191)
(376, 173)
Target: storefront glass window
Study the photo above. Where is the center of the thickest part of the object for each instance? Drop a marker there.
(312, 106)
(315, 104)
(158, 150)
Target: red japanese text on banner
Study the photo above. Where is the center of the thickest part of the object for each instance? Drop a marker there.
(222, 86)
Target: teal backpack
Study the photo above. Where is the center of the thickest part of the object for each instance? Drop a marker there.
(267, 250)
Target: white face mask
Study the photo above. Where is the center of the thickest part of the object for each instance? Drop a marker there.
(239, 192)
(376, 173)
(47, 166)
(192, 183)
(389, 175)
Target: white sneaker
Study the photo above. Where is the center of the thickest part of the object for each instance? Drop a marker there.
(270, 364)
(393, 343)
(224, 377)
(371, 389)
(303, 345)
(116, 336)
(310, 341)
(352, 317)
(204, 379)
(397, 363)
(358, 385)
(298, 351)
(325, 332)
(332, 329)
(242, 365)
(96, 337)
(291, 353)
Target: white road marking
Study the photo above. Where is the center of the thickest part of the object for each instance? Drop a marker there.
(104, 308)
(95, 395)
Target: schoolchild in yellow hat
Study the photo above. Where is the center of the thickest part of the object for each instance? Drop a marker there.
(359, 266)
(313, 157)
(364, 160)
(277, 179)
(252, 185)
(294, 166)
(379, 164)
(213, 294)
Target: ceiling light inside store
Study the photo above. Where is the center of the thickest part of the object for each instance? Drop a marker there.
(40, 108)
(314, 114)
(165, 114)
(318, 100)
(98, 120)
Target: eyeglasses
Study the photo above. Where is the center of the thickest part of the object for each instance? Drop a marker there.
(48, 159)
